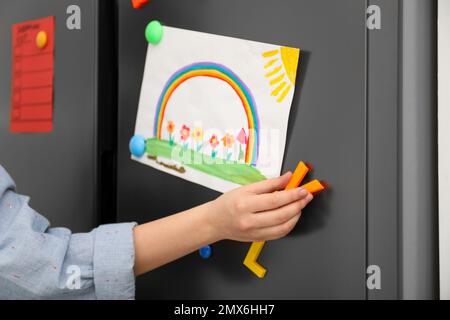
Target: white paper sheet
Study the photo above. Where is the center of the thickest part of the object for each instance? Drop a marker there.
(214, 110)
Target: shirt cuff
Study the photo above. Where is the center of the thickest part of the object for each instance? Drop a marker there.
(114, 261)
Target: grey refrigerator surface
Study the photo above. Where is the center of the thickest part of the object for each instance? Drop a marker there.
(325, 256)
(352, 118)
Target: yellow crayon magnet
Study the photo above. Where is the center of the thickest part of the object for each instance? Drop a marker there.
(313, 187)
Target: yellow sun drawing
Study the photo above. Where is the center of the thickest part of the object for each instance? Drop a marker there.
(281, 70)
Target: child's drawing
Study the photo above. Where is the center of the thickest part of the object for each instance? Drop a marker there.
(214, 110)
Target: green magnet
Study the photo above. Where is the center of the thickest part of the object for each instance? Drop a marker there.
(154, 32)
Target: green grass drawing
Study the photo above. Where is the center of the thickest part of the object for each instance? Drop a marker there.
(233, 171)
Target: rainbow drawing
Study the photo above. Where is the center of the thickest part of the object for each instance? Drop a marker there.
(218, 71)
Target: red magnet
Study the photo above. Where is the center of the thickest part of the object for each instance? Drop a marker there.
(137, 4)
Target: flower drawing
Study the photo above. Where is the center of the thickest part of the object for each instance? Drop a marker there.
(184, 135)
(228, 142)
(213, 142)
(198, 134)
(170, 128)
(243, 140)
(185, 130)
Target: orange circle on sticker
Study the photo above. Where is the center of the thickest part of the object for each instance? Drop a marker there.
(41, 39)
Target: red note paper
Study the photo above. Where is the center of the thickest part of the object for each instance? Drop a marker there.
(32, 76)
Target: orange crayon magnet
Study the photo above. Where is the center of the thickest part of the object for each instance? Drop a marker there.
(297, 177)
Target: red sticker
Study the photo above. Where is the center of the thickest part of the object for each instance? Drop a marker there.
(32, 76)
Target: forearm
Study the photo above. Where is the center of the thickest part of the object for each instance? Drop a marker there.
(167, 239)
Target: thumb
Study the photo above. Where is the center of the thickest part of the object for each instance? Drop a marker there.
(271, 185)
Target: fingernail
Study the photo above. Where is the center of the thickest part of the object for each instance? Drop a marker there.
(303, 192)
(309, 197)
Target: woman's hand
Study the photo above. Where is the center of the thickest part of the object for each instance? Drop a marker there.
(259, 211)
